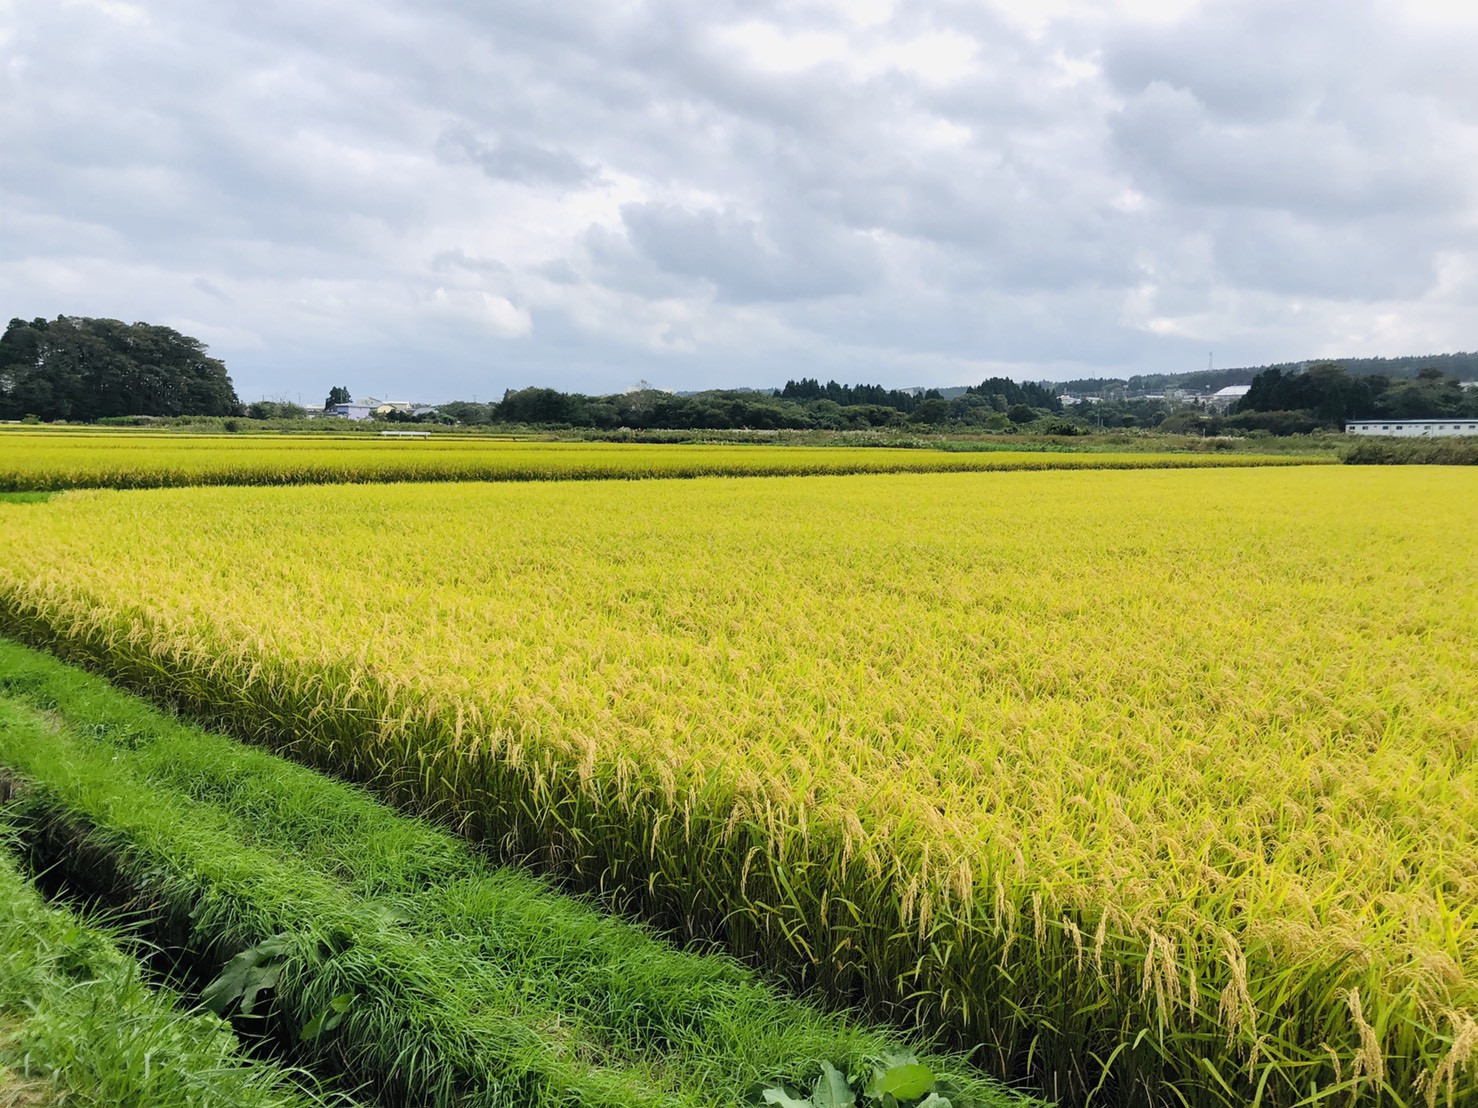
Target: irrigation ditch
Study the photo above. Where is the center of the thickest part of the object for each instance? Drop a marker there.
(75, 871)
(82, 1023)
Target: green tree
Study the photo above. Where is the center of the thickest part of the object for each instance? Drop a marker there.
(1021, 413)
(275, 409)
(84, 369)
(467, 412)
(336, 396)
(933, 410)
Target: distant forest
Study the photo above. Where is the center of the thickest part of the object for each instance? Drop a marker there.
(1463, 366)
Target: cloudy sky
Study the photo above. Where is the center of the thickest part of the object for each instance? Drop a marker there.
(447, 198)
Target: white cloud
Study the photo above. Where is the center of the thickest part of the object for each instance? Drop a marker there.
(112, 9)
(493, 313)
(730, 194)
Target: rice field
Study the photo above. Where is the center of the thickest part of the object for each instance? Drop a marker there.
(384, 955)
(33, 461)
(1154, 787)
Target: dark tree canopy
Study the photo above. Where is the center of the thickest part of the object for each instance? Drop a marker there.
(847, 396)
(1327, 395)
(802, 404)
(1030, 394)
(82, 369)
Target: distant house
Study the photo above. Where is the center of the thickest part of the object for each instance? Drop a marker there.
(371, 406)
(1222, 399)
(1412, 428)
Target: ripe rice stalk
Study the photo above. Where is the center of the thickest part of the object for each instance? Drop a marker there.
(48, 461)
(1222, 721)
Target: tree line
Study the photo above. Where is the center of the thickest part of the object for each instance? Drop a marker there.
(994, 404)
(1328, 395)
(1280, 401)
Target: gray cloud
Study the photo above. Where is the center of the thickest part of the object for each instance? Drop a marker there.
(795, 258)
(1302, 162)
(510, 158)
(462, 197)
(450, 261)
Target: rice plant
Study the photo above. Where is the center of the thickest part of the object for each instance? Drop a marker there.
(1149, 787)
(130, 460)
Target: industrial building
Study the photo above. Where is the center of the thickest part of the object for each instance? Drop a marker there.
(1412, 428)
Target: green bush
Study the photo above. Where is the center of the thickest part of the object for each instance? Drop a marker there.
(1455, 451)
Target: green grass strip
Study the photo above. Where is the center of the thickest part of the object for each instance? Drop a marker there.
(469, 983)
(78, 1026)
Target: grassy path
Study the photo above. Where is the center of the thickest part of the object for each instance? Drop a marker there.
(442, 979)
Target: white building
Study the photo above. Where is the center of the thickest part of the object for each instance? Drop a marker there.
(1222, 399)
(1412, 428)
(370, 406)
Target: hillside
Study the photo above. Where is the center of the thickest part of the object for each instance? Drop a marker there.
(1464, 366)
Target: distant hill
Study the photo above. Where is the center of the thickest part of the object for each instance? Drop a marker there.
(740, 389)
(1463, 366)
(947, 392)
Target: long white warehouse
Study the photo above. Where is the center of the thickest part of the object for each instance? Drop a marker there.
(1412, 428)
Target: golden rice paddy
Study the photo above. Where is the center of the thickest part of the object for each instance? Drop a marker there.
(1165, 780)
(49, 460)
